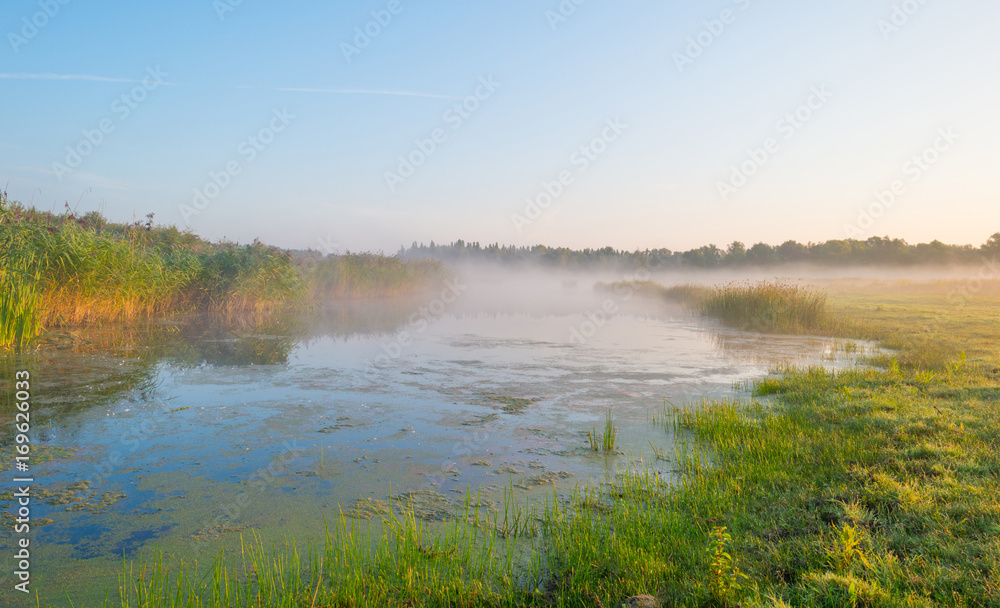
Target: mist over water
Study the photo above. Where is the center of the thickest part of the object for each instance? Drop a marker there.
(372, 274)
(188, 434)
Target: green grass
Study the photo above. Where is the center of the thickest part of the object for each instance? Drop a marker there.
(605, 441)
(19, 300)
(875, 486)
(397, 561)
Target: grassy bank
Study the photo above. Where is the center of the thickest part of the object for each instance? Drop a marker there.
(393, 564)
(64, 269)
(875, 486)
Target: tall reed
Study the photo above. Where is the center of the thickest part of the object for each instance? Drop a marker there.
(19, 299)
(767, 306)
(366, 275)
(65, 269)
(607, 440)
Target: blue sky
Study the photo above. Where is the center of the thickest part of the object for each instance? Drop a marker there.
(699, 91)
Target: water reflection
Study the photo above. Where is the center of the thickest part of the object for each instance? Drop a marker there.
(185, 432)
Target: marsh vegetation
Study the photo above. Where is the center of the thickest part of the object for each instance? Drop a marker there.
(60, 270)
(871, 486)
(874, 485)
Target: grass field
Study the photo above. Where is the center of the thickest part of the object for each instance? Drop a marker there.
(876, 486)
(871, 487)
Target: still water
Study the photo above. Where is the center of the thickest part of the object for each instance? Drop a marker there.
(185, 434)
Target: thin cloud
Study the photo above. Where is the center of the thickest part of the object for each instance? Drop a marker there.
(83, 77)
(358, 92)
(94, 78)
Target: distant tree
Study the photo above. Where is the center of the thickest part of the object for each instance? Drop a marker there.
(872, 251)
(791, 251)
(896, 251)
(833, 252)
(712, 255)
(934, 252)
(992, 246)
(761, 254)
(736, 254)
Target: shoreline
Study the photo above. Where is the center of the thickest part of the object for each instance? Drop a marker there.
(812, 500)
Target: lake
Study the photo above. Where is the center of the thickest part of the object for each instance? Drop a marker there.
(185, 434)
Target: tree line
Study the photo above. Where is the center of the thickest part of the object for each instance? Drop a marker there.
(875, 251)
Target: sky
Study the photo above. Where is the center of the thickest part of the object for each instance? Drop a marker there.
(367, 125)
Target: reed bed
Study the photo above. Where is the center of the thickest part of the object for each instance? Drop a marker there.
(767, 307)
(358, 276)
(685, 294)
(61, 270)
(630, 288)
(19, 299)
